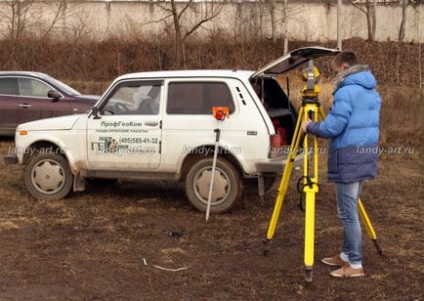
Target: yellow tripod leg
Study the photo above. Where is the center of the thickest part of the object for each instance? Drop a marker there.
(282, 189)
(368, 226)
(279, 201)
(309, 230)
(311, 189)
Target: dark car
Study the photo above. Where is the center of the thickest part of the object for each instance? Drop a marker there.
(27, 96)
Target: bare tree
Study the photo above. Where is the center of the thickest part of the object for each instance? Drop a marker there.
(370, 12)
(23, 18)
(178, 13)
(286, 26)
(272, 11)
(251, 19)
(401, 36)
(420, 59)
(16, 13)
(374, 20)
(77, 23)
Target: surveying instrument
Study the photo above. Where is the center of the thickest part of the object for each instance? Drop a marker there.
(310, 109)
(219, 114)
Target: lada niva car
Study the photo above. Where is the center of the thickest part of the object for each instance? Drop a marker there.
(159, 126)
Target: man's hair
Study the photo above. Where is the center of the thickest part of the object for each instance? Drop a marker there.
(347, 57)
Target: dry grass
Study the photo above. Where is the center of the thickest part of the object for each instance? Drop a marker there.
(401, 117)
(91, 61)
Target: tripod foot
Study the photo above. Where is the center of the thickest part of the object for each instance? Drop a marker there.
(267, 243)
(308, 274)
(377, 247)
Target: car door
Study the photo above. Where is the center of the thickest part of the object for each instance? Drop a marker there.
(34, 102)
(9, 104)
(125, 132)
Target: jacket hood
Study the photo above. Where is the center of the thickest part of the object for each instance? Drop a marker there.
(356, 75)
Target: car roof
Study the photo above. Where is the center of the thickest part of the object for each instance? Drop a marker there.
(23, 73)
(242, 74)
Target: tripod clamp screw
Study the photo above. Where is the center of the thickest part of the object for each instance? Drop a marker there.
(310, 184)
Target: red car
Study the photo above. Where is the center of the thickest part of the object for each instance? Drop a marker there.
(27, 96)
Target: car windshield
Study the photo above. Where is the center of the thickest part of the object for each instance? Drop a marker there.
(64, 87)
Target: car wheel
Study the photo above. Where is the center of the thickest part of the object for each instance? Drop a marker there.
(227, 185)
(48, 177)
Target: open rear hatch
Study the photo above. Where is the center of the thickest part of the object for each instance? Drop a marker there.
(293, 59)
(275, 100)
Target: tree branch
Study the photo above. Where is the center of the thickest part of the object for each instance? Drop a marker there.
(207, 19)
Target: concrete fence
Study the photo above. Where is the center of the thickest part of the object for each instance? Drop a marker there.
(301, 21)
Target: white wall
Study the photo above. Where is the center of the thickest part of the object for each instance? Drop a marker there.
(306, 21)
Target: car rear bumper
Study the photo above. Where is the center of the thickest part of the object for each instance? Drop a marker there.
(276, 165)
(11, 159)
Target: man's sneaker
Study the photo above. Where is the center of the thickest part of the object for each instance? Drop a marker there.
(347, 271)
(334, 261)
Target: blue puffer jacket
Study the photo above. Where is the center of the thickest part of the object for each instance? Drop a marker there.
(353, 127)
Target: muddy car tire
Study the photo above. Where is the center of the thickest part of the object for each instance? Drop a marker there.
(227, 185)
(48, 177)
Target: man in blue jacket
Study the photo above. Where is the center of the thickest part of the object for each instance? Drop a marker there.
(352, 126)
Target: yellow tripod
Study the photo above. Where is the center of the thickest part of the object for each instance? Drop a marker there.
(311, 109)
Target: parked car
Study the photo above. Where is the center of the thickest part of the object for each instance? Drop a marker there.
(27, 96)
(160, 126)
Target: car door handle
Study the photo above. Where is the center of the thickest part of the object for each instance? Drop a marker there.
(151, 123)
(24, 105)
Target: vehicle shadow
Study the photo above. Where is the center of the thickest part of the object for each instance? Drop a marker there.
(132, 190)
(8, 139)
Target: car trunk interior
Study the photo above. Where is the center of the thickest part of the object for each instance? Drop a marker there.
(276, 102)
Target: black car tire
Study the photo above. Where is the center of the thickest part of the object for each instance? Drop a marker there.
(48, 176)
(227, 185)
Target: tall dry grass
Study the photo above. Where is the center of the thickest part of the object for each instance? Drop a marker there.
(87, 59)
(401, 115)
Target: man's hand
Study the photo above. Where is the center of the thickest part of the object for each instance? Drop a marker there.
(304, 125)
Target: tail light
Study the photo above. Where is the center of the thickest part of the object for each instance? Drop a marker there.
(274, 145)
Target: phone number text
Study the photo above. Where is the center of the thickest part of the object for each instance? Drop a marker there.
(138, 140)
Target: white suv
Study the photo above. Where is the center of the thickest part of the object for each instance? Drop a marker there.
(159, 126)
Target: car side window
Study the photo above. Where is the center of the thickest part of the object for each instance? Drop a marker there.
(33, 87)
(134, 98)
(198, 97)
(9, 86)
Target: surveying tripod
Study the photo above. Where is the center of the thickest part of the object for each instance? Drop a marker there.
(311, 109)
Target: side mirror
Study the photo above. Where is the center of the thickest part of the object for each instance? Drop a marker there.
(95, 112)
(54, 95)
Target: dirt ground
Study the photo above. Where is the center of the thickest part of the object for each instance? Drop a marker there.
(142, 241)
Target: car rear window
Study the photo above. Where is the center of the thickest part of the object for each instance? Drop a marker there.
(198, 97)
